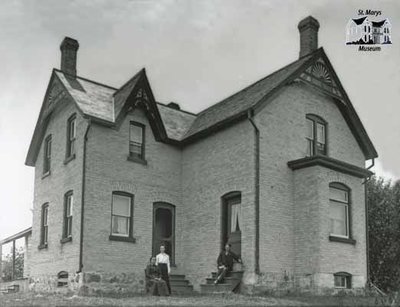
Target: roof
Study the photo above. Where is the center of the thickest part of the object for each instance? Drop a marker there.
(359, 21)
(21, 234)
(106, 104)
(176, 122)
(92, 98)
(378, 23)
(244, 99)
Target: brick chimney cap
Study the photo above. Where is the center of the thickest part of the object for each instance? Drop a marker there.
(308, 22)
(69, 42)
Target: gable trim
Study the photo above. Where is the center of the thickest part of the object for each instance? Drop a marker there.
(149, 106)
(43, 120)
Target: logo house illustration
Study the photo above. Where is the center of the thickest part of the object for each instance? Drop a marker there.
(362, 31)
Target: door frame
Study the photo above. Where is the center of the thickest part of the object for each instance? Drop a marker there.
(224, 215)
(164, 205)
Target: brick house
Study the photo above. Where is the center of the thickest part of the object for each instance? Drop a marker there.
(277, 169)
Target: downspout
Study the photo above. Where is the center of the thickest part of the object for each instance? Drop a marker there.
(367, 221)
(250, 116)
(83, 196)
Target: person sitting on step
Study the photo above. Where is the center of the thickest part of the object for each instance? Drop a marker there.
(225, 262)
(162, 261)
(154, 284)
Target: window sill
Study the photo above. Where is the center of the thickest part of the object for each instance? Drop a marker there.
(342, 240)
(65, 240)
(122, 239)
(68, 159)
(42, 246)
(46, 174)
(137, 160)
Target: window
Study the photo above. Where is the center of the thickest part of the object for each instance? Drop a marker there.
(342, 280)
(68, 208)
(71, 136)
(136, 140)
(121, 216)
(47, 155)
(316, 135)
(44, 228)
(62, 279)
(339, 210)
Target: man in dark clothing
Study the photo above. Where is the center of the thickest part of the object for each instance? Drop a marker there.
(225, 262)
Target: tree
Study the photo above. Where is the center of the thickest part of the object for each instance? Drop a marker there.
(8, 264)
(384, 233)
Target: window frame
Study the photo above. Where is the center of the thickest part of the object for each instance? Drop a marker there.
(315, 119)
(337, 237)
(62, 279)
(347, 277)
(44, 227)
(116, 236)
(67, 219)
(47, 155)
(71, 142)
(131, 155)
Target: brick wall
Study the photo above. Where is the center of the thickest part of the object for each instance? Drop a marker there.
(290, 201)
(109, 170)
(57, 257)
(293, 205)
(212, 167)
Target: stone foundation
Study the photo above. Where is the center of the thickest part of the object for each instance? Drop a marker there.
(113, 284)
(91, 283)
(285, 283)
(49, 283)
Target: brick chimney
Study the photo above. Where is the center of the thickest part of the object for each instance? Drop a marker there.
(69, 48)
(308, 29)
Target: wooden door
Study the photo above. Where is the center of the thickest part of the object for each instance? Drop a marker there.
(164, 229)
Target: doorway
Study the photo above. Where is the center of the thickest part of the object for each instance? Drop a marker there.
(164, 229)
(231, 222)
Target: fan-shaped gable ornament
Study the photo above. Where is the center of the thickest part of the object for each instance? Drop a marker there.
(320, 71)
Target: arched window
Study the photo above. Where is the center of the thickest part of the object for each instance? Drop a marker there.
(342, 280)
(339, 210)
(316, 135)
(62, 279)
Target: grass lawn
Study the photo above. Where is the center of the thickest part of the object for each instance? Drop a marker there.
(30, 299)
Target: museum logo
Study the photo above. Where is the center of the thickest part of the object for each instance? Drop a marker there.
(369, 30)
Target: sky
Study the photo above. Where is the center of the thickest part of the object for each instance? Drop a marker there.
(195, 52)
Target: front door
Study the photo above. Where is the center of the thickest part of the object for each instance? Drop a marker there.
(164, 229)
(232, 223)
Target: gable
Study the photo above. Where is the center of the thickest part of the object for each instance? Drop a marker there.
(138, 94)
(318, 75)
(56, 94)
(321, 76)
(107, 105)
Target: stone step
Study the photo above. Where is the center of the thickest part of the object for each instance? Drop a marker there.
(178, 282)
(176, 276)
(187, 289)
(227, 280)
(237, 274)
(219, 288)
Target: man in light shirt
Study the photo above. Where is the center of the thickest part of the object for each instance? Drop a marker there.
(162, 261)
